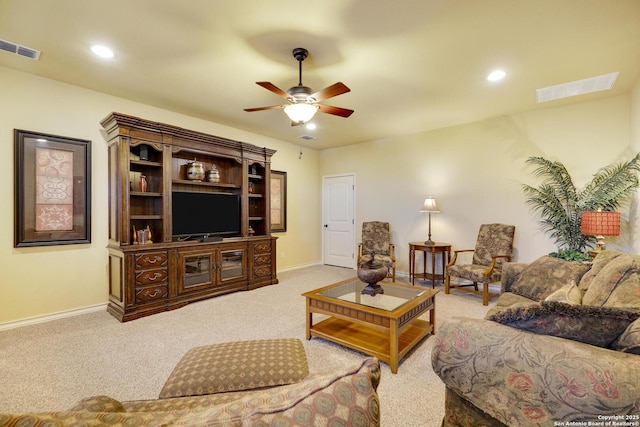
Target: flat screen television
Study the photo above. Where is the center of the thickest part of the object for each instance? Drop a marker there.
(197, 215)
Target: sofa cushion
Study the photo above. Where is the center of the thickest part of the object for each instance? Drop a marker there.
(569, 294)
(617, 284)
(589, 324)
(546, 275)
(234, 366)
(347, 397)
(509, 300)
(629, 340)
(98, 404)
(602, 259)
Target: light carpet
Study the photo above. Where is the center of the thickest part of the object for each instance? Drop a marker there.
(52, 365)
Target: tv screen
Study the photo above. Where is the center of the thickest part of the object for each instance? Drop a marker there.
(200, 214)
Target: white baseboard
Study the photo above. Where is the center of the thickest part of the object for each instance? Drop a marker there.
(49, 317)
(298, 267)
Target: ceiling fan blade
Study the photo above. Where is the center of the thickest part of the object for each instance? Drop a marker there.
(273, 88)
(331, 91)
(336, 111)
(272, 107)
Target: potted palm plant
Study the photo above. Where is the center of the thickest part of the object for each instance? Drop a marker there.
(560, 203)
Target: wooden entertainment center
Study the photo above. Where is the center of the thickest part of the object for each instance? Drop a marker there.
(171, 271)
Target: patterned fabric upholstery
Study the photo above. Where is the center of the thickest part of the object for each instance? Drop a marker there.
(233, 366)
(346, 397)
(523, 379)
(376, 239)
(521, 375)
(494, 247)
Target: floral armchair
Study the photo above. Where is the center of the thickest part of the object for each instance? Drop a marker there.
(493, 247)
(376, 239)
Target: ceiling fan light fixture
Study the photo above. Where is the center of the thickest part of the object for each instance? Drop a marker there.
(300, 113)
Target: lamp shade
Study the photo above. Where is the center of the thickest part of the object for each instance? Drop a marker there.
(300, 112)
(600, 223)
(430, 205)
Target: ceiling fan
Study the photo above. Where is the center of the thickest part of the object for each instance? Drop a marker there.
(303, 103)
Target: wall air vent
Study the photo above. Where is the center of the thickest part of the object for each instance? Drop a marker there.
(578, 87)
(27, 52)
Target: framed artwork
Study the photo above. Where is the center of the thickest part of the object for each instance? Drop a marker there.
(278, 201)
(52, 190)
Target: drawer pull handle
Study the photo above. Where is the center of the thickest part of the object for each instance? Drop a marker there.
(156, 292)
(152, 261)
(155, 276)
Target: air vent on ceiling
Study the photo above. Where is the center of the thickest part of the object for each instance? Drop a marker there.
(578, 87)
(307, 137)
(27, 52)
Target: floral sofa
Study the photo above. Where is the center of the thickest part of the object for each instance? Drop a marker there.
(560, 347)
(248, 383)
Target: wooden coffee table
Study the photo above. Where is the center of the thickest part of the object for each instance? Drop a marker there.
(385, 326)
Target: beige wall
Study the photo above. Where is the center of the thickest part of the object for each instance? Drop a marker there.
(475, 171)
(46, 280)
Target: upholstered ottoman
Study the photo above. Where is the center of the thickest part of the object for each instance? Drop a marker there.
(237, 366)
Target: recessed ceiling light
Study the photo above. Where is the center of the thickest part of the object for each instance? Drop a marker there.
(311, 126)
(102, 51)
(496, 75)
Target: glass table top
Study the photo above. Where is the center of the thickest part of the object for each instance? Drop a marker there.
(392, 298)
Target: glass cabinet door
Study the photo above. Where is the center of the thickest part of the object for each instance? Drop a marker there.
(197, 270)
(232, 264)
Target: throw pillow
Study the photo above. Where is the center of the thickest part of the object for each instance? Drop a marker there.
(234, 366)
(598, 326)
(602, 259)
(616, 284)
(546, 275)
(629, 340)
(569, 294)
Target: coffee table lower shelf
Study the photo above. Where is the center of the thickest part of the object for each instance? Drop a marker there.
(370, 340)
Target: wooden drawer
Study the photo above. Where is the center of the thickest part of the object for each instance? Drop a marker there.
(262, 248)
(151, 277)
(151, 260)
(263, 259)
(264, 271)
(151, 293)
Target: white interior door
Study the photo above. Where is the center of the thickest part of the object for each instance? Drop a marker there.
(338, 220)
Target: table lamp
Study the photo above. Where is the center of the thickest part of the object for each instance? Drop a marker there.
(430, 206)
(600, 224)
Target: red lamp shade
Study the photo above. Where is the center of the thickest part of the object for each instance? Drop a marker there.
(600, 223)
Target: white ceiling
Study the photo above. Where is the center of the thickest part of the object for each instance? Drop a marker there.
(412, 65)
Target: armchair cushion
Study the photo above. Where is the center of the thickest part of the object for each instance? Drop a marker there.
(593, 325)
(493, 240)
(386, 260)
(546, 275)
(376, 237)
(473, 272)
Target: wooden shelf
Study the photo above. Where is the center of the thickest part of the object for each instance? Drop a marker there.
(146, 217)
(254, 176)
(145, 194)
(205, 183)
(369, 340)
(146, 163)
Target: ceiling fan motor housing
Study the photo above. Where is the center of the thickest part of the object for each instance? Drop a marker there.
(300, 94)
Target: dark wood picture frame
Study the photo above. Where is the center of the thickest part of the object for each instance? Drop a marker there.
(52, 190)
(278, 201)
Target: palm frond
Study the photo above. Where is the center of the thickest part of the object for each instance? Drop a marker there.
(560, 204)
